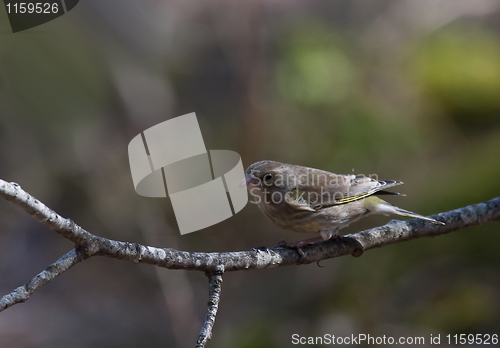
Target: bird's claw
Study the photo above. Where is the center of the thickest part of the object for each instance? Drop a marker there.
(295, 245)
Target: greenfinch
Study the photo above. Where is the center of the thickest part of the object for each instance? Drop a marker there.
(311, 200)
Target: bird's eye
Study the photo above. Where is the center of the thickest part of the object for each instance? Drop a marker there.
(268, 177)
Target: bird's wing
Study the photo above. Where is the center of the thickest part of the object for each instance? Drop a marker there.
(317, 189)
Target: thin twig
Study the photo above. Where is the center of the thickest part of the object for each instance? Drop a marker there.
(215, 282)
(22, 293)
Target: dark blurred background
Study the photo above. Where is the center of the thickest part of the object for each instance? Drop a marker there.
(407, 90)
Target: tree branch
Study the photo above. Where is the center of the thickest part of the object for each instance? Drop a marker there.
(215, 263)
(215, 282)
(65, 227)
(393, 232)
(22, 293)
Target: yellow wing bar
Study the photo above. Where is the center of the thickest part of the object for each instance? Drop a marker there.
(352, 198)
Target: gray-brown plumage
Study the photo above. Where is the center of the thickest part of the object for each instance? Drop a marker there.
(312, 200)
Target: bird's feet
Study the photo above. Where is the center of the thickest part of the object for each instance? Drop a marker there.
(297, 245)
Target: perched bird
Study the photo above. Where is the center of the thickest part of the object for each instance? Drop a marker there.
(312, 200)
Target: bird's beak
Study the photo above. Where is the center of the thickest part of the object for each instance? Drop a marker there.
(249, 180)
(243, 182)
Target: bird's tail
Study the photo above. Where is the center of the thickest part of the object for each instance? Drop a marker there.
(403, 212)
(379, 206)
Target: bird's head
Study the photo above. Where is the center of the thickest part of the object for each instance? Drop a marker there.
(268, 175)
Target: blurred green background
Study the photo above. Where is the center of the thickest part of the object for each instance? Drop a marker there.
(407, 90)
